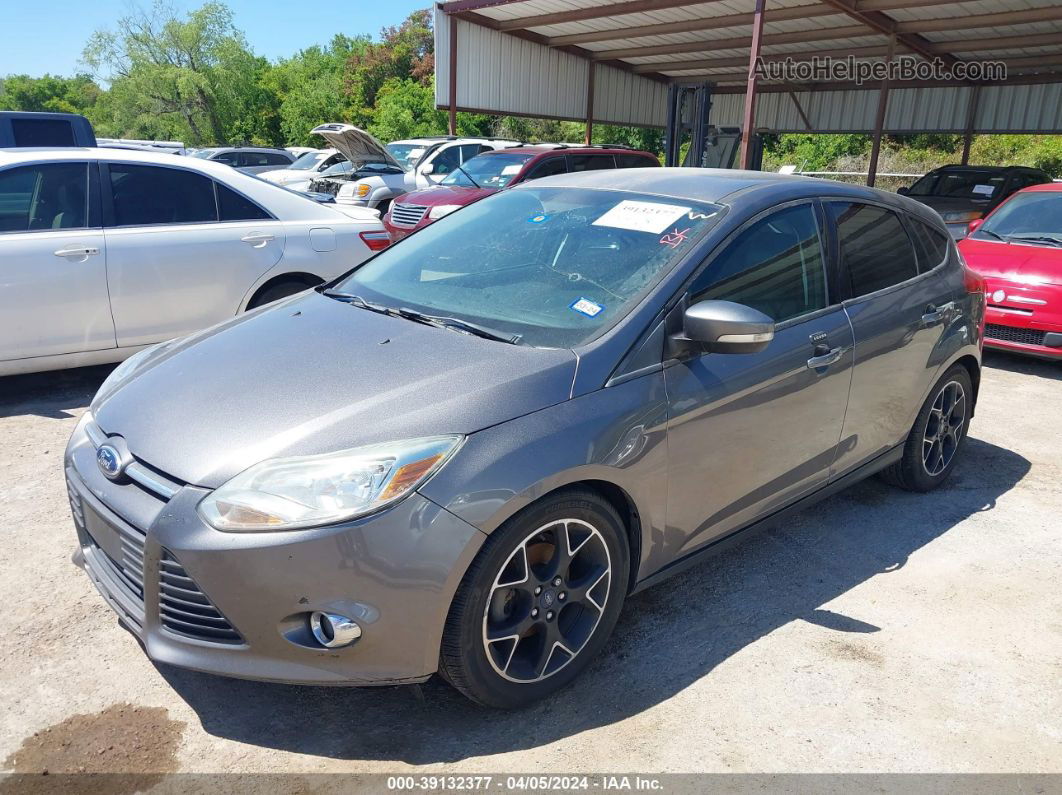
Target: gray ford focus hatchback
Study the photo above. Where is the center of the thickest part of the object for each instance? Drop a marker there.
(463, 455)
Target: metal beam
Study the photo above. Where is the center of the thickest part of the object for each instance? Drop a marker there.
(800, 111)
(453, 77)
(749, 117)
(608, 10)
(591, 68)
(738, 60)
(781, 88)
(971, 119)
(730, 21)
(455, 6)
(879, 119)
(887, 25)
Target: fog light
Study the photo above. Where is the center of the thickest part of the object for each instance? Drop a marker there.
(332, 630)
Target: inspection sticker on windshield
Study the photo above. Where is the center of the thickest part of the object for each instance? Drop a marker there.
(515, 169)
(984, 190)
(642, 216)
(585, 306)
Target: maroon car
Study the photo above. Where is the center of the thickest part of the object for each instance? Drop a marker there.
(492, 171)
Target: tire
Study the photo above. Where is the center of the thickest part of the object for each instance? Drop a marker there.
(383, 207)
(933, 448)
(275, 292)
(560, 628)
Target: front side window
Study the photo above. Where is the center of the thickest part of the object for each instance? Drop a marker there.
(775, 266)
(557, 266)
(145, 195)
(488, 171)
(549, 167)
(46, 196)
(875, 249)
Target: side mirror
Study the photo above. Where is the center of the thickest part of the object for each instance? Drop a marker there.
(726, 327)
(903, 191)
(974, 225)
(427, 168)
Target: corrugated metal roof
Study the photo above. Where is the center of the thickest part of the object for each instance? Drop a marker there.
(531, 57)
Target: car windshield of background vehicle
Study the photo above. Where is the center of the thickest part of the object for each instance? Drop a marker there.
(488, 171)
(556, 266)
(959, 184)
(204, 153)
(307, 161)
(1034, 218)
(406, 154)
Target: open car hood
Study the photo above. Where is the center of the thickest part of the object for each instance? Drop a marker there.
(355, 144)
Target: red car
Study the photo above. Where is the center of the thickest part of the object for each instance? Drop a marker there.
(491, 171)
(1018, 250)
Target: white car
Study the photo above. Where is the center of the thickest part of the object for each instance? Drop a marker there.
(421, 163)
(105, 251)
(307, 166)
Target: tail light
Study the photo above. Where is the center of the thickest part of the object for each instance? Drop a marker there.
(376, 241)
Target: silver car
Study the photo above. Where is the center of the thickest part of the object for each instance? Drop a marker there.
(248, 159)
(462, 456)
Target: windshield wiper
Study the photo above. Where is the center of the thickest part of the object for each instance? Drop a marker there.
(457, 324)
(469, 176)
(993, 234)
(1039, 239)
(357, 300)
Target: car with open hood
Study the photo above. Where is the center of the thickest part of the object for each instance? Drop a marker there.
(307, 166)
(463, 455)
(962, 194)
(1018, 250)
(412, 164)
(495, 170)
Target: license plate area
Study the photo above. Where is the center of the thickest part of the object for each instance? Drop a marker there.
(102, 533)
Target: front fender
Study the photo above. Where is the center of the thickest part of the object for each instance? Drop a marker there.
(616, 435)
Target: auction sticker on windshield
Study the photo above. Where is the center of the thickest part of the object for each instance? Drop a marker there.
(642, 216)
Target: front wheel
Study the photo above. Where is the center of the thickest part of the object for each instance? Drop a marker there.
(538, 602)
(939, 435)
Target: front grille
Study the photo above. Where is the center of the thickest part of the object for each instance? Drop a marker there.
(407, 214)
(1025, 336)
(186, 610)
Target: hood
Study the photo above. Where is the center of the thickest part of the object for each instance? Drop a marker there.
(313, 375)
(1015, 261)
(445, 194)
(284, 176)
(950, 204)
(355, 144)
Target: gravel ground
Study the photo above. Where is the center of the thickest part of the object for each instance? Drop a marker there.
(877, 632)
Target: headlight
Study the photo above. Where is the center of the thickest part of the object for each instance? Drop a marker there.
(439, 210)
(120, 374)
(956, 218)
(309, 491)
(346, 190)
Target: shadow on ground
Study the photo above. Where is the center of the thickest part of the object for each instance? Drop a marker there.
(668, 637)
(51, 394)
(1024, 365)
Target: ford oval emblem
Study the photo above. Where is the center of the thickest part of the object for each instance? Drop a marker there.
(109, 462)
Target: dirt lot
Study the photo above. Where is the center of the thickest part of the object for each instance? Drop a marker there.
(880, 631)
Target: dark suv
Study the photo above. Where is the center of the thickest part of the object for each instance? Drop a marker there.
(965, 193)
(490, 172)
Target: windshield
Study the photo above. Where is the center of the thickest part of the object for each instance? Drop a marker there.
(307, 161)
(204, 153)
(966, 184)
(557, 266)
(337, 169)
(488, 171)
(1035, 216)
(406, 154)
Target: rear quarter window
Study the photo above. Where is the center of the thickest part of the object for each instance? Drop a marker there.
(635, 161)
(931, 245)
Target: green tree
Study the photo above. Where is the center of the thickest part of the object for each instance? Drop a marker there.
(77, 94)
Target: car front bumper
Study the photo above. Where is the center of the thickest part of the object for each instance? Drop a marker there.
(1024, 318)
(162, 570)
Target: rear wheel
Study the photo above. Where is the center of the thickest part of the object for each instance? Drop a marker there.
(938, 436)
(276, 291)
(538, 603)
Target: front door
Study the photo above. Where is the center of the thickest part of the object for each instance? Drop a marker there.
(53, 264)
(750, 433)
(173, 266)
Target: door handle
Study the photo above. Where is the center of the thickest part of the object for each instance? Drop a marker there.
(257, 239)
(81, 251)
(935, 314)
(825, 356)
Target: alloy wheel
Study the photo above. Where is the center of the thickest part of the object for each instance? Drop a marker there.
(547, 600)
(947, 418)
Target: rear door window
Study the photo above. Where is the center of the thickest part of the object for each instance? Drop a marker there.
(148, 195)
(875, 249)
(775, 265)
(44, 197)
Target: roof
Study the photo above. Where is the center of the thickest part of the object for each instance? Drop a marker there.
(13, 156)
(638, 47)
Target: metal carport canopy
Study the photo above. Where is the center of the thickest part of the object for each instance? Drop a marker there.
(611, 62)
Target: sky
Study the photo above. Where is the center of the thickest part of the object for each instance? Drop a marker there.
(47, 36)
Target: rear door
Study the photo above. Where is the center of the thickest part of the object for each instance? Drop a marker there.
(53, 262)
(750, 433)
(173, 266)
(898, 316)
